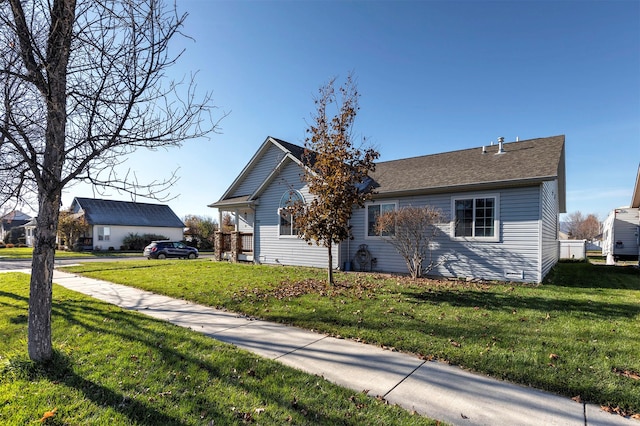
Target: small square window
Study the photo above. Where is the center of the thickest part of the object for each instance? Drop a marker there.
(104, 233)
(372, 214)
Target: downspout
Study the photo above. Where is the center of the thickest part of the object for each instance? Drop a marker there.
(256, 255)
(541, 236)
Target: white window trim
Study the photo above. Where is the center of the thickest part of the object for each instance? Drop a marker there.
(496, 219)
(102, 235)
(284, 236)
(366, 217)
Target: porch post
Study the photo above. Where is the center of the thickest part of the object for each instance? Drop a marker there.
(218, 246)
(236, 246)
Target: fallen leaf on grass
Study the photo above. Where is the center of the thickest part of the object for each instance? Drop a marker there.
(553, 356)
(626, 373)
(48, 415)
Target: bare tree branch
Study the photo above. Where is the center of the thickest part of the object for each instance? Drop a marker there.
(84, 84)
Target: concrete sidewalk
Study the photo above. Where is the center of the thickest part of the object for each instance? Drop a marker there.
(434, 389)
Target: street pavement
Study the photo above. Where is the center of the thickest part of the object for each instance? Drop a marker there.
(434, 389)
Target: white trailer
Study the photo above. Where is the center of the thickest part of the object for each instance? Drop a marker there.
(621, 235)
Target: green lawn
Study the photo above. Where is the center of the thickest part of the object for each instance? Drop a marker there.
(27, 252)
(115, 367)
(579, 334)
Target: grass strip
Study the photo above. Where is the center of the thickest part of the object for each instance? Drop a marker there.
(21, 253)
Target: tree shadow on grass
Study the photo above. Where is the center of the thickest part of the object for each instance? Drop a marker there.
(60, 370)
(90, 316)
(588, 275)
(508, 301)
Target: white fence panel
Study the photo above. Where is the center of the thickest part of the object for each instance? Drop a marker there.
(573, 249)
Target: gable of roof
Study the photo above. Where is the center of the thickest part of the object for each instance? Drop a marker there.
(289, 152)
(523, 162)
(127, 213)
(15, 215)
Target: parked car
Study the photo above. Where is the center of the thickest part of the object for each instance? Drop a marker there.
(165, 249)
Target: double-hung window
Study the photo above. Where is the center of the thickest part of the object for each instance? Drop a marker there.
(286, 223)
(476, 217)
(104, 233)
(374, 210)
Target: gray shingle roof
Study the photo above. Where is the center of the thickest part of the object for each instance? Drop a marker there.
(525, 161)
(127, 213)
(295, 150)
(15, 215)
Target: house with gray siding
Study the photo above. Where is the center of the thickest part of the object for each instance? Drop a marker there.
(502, 204)
(111, 221)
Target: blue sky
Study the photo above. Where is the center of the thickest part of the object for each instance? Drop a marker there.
(433, 76)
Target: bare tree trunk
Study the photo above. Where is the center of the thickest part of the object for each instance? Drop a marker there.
(330, 268)
(40, 295)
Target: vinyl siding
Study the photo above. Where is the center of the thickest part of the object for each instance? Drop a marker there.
(259, 172)
(550, 246)
(516, 252)
(621, 225)
(119, 233)
(271, 248)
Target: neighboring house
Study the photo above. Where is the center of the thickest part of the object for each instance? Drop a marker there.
(11, 220)
(29, 231)
(111, 221)
(503, 203)
(621, 230)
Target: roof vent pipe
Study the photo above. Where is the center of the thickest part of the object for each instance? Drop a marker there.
(484, 149)
(501, 147)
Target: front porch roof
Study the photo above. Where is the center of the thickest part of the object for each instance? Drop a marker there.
(235, 202)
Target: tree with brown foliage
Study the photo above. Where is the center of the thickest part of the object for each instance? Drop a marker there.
(83, 84)
(202, 230)
(411, 231)
(584, 228)
(335, 170)
(70, 226)
(228, 222)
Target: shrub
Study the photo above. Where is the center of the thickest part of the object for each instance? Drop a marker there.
(15, 236)
(139, 242)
